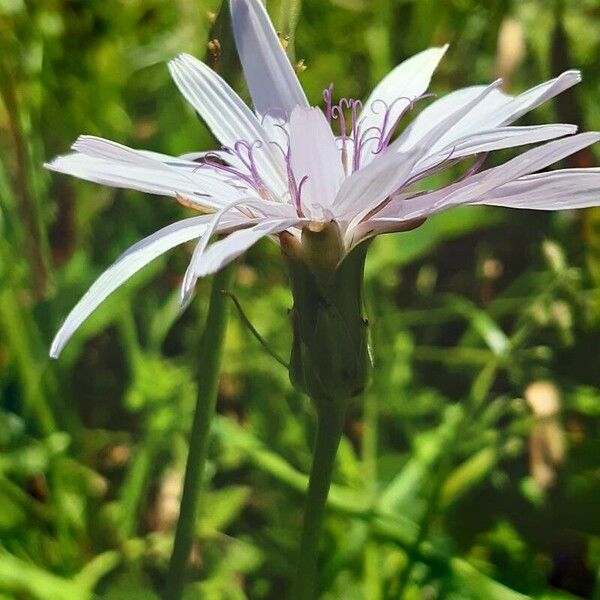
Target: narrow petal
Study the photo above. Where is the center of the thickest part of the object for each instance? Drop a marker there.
(112, 164)
(366, 189)
(440, 108)
(314, 155)
(530, 99)
(556, 190)
(213, 99)
(191, 274)
(129, 263)
(499, 109)
(376, 226)
(409, 80)
(224, 251)
(509, 137)
(226, 114)
(273, 84)
(497, 139)
(478, 186)
(485, 117)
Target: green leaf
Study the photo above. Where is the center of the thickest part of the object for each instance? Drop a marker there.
(479, 585)
(20, 577)
(130, 586)
(468, 475)
(429, 447)
(221, 507)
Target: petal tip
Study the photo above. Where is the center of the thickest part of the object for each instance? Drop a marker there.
(56, 347)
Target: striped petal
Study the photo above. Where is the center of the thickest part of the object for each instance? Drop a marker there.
(409, 80)
(220, 253)
(477, 187)
(226, 114)
(271, 79)
(556, 190)
(314, 155)
(108, 163)
(364, 190)
(129, 263)
(499, 109)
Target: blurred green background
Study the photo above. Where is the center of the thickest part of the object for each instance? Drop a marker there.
(471, 470)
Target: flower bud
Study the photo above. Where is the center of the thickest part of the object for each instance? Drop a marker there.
(330, 358)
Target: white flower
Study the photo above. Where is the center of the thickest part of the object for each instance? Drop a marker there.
(287, 165)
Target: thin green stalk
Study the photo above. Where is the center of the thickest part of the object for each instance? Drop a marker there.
(288, 20)
(414, 552)
(330, 422)
(135, 484)
(21, 339)
(372, 560)
(210, 356)
(259, 338)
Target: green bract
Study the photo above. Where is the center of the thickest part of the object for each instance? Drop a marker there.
(330, 359)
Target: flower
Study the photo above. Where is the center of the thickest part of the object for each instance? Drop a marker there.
(287, 168)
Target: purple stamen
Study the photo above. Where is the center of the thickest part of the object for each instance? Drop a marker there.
(219, 166)
(295, 189)
(386, 136)
(354, 105)
(248, 161)
(337, 112)
(380, 135)
(327, 97)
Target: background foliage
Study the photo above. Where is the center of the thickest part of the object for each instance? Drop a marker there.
(457, 478)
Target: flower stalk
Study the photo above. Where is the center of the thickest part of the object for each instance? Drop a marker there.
(330, 423)
(211, 351)
(330, 363)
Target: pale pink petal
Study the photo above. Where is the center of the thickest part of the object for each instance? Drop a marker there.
(440, 108)
(494, 139)
(556, 190)
(129, 263)
(190, 277)
(115, 165)
(366, 189)
(526, 101)
(478, 186)
(226, 114)
(406, 82)
(314, 157)
(220, 253)
(499, 109)
(509, 137)
(271, 79)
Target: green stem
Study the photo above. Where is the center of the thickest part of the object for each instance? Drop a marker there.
(211, 351)
(330, 422)
(372, 559)
(21, 338)
(288, 21)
